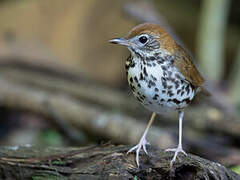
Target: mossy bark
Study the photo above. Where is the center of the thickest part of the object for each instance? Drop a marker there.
(104, 162)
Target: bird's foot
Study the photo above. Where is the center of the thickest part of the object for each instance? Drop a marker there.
(142, 144)
(176, 151)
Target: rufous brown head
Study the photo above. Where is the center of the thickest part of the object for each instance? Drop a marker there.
(147, 38)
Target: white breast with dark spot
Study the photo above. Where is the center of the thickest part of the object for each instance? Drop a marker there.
(158, 85)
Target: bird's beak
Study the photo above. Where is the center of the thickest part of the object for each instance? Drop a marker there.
(121, 41)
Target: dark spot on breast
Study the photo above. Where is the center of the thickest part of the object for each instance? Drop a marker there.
(155, 97)
(170, 87)
(141, 76)
(163, 91)
(164, 68)
(152, 58)
(128, 62)
(154, 64)
(132, 87)
(145, 71)
(187, 88)
(162, 100)
(131, 79)
(153, 78)
(135, 79)
(187, 100)
(192, 86)
(170, 93)
(177, 84)
(139, 85)
(176, 101)
(132, 65)
(164, 84)
(149, 65)
(159, 62)
(178, 91)
(151, 83)
(156, 89)
(139, 99)
(182, 93)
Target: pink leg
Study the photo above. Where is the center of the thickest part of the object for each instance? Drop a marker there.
(179, 147)
(143, 142)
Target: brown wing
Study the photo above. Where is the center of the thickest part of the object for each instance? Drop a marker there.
(183, 62)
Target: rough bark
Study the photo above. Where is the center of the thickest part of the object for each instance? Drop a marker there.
(105, 162)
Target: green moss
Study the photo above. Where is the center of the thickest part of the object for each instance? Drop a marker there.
(47, 177)
(51, 137)
(236, 169)
(58, 163)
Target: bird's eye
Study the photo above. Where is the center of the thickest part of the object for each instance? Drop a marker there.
(143, 39)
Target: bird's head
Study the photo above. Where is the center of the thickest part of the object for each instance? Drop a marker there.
(147, 39)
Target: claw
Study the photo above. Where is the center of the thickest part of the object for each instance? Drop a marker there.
(145, 150)
(132, 149)
(176, 151)
(141, 145)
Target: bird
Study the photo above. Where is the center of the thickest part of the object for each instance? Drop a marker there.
(162, 76)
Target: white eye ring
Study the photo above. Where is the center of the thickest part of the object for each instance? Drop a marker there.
(143, 39)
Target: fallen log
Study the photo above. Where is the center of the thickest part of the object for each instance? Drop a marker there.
(105, 162)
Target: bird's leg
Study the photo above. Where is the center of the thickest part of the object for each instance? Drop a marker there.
(179, 147)
(142, 143)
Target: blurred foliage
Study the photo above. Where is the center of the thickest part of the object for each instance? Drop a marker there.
(236, 169)
(50, 137)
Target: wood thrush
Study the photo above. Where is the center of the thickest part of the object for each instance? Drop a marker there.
(161, 75)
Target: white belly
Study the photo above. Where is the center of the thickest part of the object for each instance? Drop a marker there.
(159, 90)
